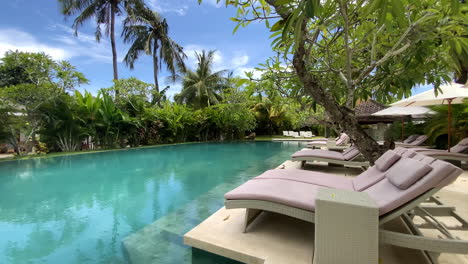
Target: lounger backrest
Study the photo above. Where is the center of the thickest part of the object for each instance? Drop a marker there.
(343, 139)
(410, 178)
(351, 153)
(376, 173)
(405, 153)
(285, 133)
(419, 140)
(410, 139)
(461, 147)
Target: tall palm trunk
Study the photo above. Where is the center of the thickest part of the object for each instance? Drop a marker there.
(114, 49)
(155, 66)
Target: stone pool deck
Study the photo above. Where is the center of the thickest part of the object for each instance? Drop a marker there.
(280, 239)
(4, 156)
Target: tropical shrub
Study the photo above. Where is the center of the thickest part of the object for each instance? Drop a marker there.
(436, 126)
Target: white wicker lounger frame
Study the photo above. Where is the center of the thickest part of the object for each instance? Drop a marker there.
(415, 240)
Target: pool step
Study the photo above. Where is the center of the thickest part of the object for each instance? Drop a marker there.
(162, 240)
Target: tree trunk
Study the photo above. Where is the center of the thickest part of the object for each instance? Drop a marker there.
(341, 115)
(114, 49)
(155, 68)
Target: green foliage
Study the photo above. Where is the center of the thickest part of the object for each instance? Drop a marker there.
(124, 90)
(42, 80)
(358, 50)
(437, 125)
(394, 132)
(61, 123)
(38, 69)
(148, 33)
(103, 12)
(202, 87)
(232, 120)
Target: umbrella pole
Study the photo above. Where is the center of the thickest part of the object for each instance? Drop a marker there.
(402, 129)
(449, 119)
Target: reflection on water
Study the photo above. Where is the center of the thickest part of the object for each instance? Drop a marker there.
(79, 208)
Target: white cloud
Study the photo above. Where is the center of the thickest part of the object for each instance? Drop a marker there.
(179, 7)
(239, 61)
(65, 45)
(191, 49)
(175, 89)
(242, 70)
(84, 45)
(214, 3)
(13, 39)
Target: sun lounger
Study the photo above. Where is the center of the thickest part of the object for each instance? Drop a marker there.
(397, 184)
(409, 139)
(286, 133)
(350, 157)
(459, 152)
(342, 140)
(416, 143)
(294, 134)
(305, 134)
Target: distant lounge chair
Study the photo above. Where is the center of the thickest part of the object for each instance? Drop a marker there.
(306, 134)
(286, 133)
(294, 134)
(459, 152)
(396, 184)
(349, 157)
(409, 139)
(342, 140)
(416, 143)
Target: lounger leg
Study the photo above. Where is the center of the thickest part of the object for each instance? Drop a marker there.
(303, 163)
(250, 215)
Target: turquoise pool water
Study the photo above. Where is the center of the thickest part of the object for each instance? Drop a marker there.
(91, 208)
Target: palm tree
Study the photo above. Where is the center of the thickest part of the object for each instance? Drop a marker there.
(200, 88)
(148, 33)
(104, 12)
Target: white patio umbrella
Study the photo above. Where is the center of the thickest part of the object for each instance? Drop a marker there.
(449, 94)
(413, 111)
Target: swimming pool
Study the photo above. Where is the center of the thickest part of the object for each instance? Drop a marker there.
(91, 208)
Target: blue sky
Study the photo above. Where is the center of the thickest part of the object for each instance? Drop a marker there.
(31, 25)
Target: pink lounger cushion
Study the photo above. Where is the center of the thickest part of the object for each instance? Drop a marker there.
(368, 178)
(387, 160)
(419, 140)
(342, 140)
(410, 139)
(461, 147)
(407, 172)
(295, 189)
(350, 153)
(291, 193)
(388, 197)
(312, 177)
(319, 153)
(446, 154)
